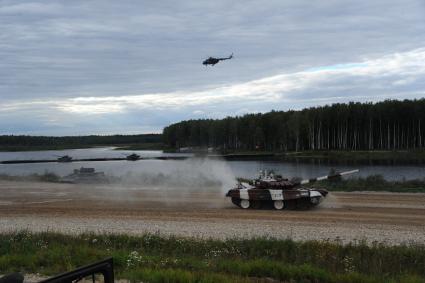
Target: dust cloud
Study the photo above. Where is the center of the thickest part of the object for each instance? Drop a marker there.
(173, 183)
(194, 174)
(331, 201)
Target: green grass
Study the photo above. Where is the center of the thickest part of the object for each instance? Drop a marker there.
(341, 155)
(45, 177)
(373, 183)
(369, 183)
(359, 155)
(156, 258)
(142, 146)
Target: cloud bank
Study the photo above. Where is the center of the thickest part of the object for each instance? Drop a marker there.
(394, 76)
(83, 67)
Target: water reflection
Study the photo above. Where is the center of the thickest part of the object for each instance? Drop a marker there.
(245, 169)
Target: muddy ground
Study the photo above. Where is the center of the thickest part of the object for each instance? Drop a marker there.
(385, 217)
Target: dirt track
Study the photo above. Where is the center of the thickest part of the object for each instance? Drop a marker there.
(389, 217)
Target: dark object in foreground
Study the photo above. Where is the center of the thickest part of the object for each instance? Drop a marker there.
(212, 61)
(12, 278)
(270, 189)
(84, 175)
(104, 267)
(133, 157)
(65, 158)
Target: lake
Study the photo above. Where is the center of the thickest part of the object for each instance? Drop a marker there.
(192, 166)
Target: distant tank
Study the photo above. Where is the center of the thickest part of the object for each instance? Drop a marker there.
(65, 158)
(133, 157)
(273, 190)
(85, 175)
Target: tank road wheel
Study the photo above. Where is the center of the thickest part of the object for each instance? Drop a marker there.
(278, 204)
(244, 203)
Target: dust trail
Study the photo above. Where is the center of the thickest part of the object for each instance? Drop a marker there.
(331, 201)
(194, 174)
(208, 179)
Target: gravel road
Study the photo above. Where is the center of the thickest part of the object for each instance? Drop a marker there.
(385, 217)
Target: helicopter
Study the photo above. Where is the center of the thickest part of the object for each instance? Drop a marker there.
(212, 61)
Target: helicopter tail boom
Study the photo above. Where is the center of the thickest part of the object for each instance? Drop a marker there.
(226, 58)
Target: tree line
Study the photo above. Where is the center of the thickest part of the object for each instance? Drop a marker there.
(387, 125)
(78, 141)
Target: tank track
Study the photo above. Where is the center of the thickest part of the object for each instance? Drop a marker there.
(293, 204)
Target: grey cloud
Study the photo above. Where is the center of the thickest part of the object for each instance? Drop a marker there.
(395, 76)
(65, 49)
(28, 8)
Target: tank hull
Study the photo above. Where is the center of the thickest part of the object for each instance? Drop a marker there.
(85, 176)
(298, 198)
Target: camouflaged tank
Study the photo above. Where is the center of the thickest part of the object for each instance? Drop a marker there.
(270, 190)
(85, 175)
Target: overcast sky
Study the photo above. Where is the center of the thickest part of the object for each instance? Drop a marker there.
(105, 67)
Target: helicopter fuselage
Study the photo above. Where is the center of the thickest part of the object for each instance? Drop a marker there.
(212, 61)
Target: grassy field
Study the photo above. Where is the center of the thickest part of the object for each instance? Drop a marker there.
(142, 146)
(360, 155)
(370, 183)
(45, 177)
(373, 183)
(155, 258)
(380, 156)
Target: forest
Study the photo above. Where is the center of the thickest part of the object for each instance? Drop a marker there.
(386, 125)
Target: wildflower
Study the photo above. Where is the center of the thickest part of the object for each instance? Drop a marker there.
(133, 259)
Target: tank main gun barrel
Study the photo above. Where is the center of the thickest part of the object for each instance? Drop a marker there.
(303, 182)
